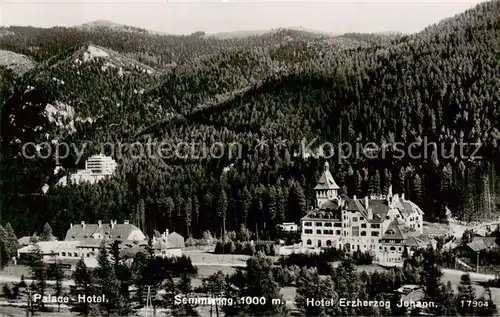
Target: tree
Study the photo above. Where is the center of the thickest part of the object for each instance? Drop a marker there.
(297, 202)
(141, 212)
(258, 281)
(214, 285)
(416, 189)
(184, 287)
(346, 284)
(466, 295)
(11, 240)
(222, 209)
(106, 281)
(488, 308)
(245, 203)
(46, 234)
(188, 211)
(310, 285)
(431, 278)
(38, 272)
(83, 286)
(59, 277)
(4, 248)
(169, 211)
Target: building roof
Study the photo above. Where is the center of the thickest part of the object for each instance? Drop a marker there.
(175, 240)
(321, 214)
(24, 240)
(85, 231)
(482, 243)
(411, 238)
(477, 245)
(393, 231)
(49, 247)
(331, 205)
(379, 208)
(326, 180)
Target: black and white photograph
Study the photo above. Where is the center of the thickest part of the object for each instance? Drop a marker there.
(249, 158)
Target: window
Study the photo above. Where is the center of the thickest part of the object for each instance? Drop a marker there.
(328, 243)
(319, 224)
(393, 249)
(308, 231)
(400, 249)
(309, 242)
(75, 254)
(387, 217)
(375, 225)
(363, 225)
(325, 231)
(318, 231)
(355, 231)
(328, 224)
(88, 255)
(354, 219)
(363, 233)
(319, 243)
(361, 218)
(307, 224)
(375, 234)
(337, 224)
(63, 253)
(85, 237)
(337, 232)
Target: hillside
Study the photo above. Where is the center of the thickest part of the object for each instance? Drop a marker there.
(18, 63)
(440, 85)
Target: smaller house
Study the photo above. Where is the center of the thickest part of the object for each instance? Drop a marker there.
(24, 241)
(51, 249)
(174, 240)
(482, 243)
(288, 227)
(164, 245)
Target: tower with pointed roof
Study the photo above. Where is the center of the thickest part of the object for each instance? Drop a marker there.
(326, 188)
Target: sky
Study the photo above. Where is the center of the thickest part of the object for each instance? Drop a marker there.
(213, 16)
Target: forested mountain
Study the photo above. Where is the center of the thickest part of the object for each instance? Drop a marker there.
(101, 84)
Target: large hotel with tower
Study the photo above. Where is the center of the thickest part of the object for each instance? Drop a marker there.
(384, 225)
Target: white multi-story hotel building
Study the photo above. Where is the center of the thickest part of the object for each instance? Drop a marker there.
(101, 164)
(384, 225)
(97, 168)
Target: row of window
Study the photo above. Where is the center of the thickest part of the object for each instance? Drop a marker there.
(338, 224)
(355, 233)
(354, 219)
(329, 244)
(72, 254)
